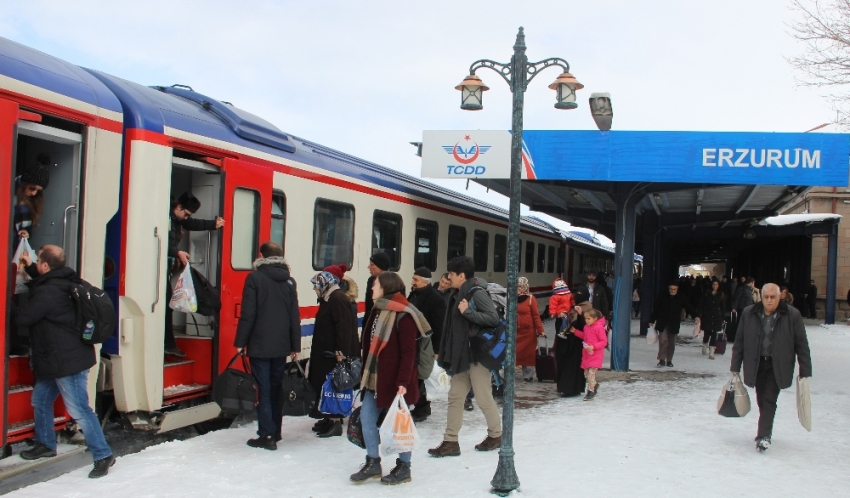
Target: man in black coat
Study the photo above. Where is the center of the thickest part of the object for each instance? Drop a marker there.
(594, 293)
(667, 318)
(270, 325)
(428, 300)
(770, 335)
(812, 299)
(181, 212)
(378, 263)
(60, 360)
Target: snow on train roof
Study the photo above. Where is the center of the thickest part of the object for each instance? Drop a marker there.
(180, 107)
(44, 71)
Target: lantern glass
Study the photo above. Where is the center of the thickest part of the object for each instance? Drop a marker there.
(471, 98)
(566, 97)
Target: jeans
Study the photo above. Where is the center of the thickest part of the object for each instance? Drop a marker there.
(268, 372)
(76, 398)
(767, 393)
(369, 413)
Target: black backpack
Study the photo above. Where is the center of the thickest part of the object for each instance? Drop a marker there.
(95, 314)
(209, 301)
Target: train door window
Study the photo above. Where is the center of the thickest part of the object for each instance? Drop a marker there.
(246, 227)
(480, 249)
(550, 260)
(278, 232)
(333, 234)
(457, 242)
(386, 236)
(500, 253)
(529, 256)
(541, 258)
(426, 244)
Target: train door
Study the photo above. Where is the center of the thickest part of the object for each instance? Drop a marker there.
(247, 205)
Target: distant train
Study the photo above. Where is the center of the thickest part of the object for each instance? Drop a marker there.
(122, 151)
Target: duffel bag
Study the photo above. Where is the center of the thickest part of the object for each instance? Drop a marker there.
(235, 391)
(298, 395)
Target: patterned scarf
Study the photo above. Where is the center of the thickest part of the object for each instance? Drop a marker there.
(387, 310)
(522, 287)
(325, 283)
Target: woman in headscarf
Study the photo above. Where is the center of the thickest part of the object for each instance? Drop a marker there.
(529, 328)
(334, 339)
(389, 353)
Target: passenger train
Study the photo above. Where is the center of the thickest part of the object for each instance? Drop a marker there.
(122, 151)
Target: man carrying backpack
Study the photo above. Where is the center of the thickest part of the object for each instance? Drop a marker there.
(470, 311)
(60, 359)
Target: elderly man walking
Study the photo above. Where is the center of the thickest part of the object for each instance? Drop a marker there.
(770, 335)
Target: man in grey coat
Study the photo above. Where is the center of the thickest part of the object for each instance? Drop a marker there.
(770, 335)
(470, 310)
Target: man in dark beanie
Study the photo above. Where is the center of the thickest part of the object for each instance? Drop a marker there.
(430, 302)
(378, 263)
(181, 211)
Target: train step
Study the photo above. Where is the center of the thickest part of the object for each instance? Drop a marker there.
(178, 373)
(182, 392)
(15, 465)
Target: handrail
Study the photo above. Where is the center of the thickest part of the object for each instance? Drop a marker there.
(209, 246)
(158, 262)
(65, 225)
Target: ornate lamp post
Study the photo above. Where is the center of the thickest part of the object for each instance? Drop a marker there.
(518, 73)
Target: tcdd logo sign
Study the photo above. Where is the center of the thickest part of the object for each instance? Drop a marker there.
(462, 154)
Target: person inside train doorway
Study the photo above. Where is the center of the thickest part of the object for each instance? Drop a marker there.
(594, 293)
(667, 318)
(29, 203)
(181, 219)
(378, 263)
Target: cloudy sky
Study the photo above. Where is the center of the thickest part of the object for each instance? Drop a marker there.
(367, 77)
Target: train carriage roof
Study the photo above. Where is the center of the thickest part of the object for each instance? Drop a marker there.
(180, 107)
(44, 71)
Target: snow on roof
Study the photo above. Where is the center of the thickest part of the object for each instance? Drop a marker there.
(790, 219)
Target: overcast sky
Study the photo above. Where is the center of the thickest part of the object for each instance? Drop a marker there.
(367, 77)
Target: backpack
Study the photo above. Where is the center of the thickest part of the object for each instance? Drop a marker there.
(424, 354)
(499, 296)
(491, 342)
(95, 314)
(209, 302)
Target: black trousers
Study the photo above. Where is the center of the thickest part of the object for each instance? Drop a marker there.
(169, 313)
(709, 338)
(767, 393)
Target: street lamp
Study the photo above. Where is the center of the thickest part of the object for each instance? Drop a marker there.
(518, 73)
(601, 110)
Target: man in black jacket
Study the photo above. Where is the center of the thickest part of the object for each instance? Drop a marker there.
(770, 335)
(594, 293)
(270, 325)
(667, 317)
(60, 360)
(812, 300)
(378, 263)
(428, 300)
(181, 212)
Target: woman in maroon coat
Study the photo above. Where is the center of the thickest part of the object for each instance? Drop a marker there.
(389, 355)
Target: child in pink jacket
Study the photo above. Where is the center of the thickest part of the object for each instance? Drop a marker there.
(595, 339)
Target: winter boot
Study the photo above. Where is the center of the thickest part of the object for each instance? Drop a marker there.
(38, 451)
(711, 352)
(467, 405)
(590, 395)
(399, 474)
(489, 444)
(661, 363)
(322, 425)
(334, 429)
(266, 443)
(446, 448)
(763, 444)
(370, 469)
(101, 467)
(175, 351)
(704, 348)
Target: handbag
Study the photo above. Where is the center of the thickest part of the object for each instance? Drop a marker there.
(355, 429)
(804, 403)
(734, 400)
(333, 402)
(235, 391)
(346, 373)
(298, 395)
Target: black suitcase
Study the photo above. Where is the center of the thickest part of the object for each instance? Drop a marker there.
(235, 391)
(298, 396)
(545, 363)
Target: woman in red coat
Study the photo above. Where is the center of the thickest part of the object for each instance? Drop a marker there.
(529, 327)
(389, 355)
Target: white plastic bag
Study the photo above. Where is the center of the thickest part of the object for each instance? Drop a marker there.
(697, 330)
(22, 277)
(804, 403)
(398, 433)
(184, 298)
(651, 336)
(438, 383)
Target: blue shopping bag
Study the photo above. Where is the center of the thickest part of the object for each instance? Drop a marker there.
(335, 402)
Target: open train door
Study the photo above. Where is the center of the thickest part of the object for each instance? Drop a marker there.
(8, 132)
(247, 213)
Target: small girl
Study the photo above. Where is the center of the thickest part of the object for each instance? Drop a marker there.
(595, 339)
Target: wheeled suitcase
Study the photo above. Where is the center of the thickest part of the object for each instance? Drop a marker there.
(720, 342)
(545, 363)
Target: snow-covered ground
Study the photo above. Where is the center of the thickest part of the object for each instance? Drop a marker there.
(638, 438)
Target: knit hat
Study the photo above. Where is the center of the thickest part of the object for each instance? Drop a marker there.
(423, 272)
(38, 174)
(560, 287)
(189, 202)
(381, 260)
(337, 270)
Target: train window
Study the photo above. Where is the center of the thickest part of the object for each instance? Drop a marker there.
(426, 244)
(529, 256)
(480, 249)
(278, 218)
(541, 258)
(457, 242)
(246, 227)
(500, 253)
(550, 267)
(386, 236)
(333, 234)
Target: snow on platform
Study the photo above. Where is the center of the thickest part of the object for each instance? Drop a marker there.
(639, 438)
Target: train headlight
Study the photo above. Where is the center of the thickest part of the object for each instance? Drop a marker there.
(566, 86)
(471, 93)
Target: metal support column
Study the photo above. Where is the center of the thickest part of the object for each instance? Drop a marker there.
(650, 265)
(831, 273)
(624, 258)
